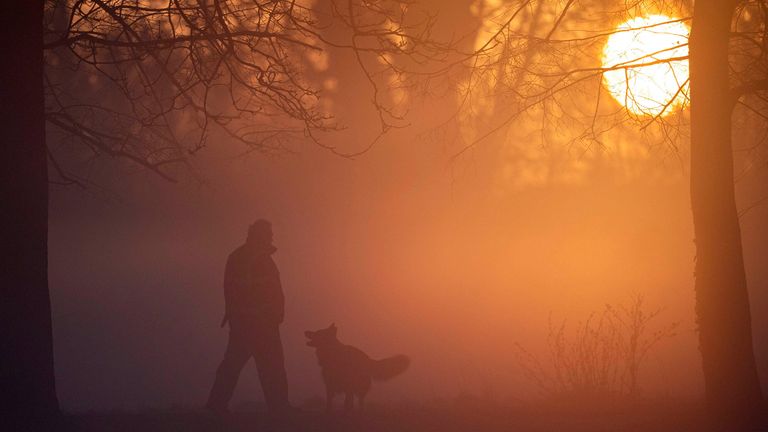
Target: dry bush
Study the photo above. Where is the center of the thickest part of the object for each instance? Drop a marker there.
(601, 358)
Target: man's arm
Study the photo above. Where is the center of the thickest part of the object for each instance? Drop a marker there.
(276, 298)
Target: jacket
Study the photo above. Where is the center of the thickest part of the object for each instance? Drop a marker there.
(252, 288)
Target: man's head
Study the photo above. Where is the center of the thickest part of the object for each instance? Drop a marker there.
(260, 233)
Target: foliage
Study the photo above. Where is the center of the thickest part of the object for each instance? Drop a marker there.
(152, 80)
(535, 85)
(601, 358)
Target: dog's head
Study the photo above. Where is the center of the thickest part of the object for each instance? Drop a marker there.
(321, 337)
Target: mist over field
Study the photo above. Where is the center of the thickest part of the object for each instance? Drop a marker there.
(405, 249)
(430, 216)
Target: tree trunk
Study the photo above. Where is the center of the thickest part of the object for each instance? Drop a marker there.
(722, 303)
(27, 387)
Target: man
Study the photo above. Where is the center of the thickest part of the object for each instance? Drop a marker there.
(254, 310)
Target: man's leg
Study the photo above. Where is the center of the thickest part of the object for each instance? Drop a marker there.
(237, 354)
(271, 364)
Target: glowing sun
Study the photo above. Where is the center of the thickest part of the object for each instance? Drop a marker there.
(655, 87)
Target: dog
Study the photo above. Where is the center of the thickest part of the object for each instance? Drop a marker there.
(348, 370)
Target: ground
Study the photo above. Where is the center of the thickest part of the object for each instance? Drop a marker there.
(447, 417)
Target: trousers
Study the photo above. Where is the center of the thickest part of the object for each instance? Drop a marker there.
(262, 343)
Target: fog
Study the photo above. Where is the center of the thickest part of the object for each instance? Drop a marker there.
(403, 253)
(407, 248)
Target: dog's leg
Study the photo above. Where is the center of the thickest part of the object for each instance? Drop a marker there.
(349, 399)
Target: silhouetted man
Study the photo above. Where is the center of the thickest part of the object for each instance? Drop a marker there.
(254, 309)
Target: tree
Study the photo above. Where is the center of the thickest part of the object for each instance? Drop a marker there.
(722, 300)
(26, 363)
(539, 59)
(147, 81)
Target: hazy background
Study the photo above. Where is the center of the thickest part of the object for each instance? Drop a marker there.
(406, 249)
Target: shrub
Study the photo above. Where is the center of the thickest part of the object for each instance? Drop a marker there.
(601, 358)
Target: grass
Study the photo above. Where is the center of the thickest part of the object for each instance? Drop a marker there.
(447, 416)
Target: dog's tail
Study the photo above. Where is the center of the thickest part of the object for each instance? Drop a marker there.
(389, 367)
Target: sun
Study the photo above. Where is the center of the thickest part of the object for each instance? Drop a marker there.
(656, 87)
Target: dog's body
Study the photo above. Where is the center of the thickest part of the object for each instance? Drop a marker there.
(348, 370)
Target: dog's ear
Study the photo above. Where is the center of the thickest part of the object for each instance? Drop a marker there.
(332, 329)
